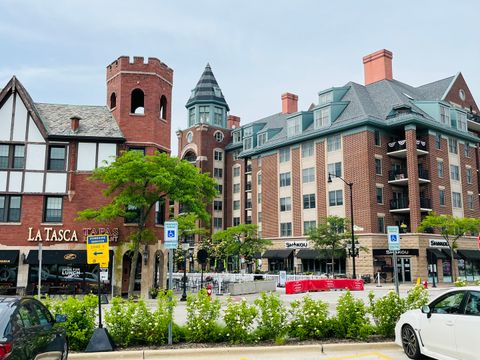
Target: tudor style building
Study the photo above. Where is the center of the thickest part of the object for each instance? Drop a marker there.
(47, 153)
(408, 150)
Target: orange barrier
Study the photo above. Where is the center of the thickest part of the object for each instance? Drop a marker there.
(301, 286)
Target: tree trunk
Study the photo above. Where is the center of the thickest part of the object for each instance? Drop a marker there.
(452, 265)
(133, 270)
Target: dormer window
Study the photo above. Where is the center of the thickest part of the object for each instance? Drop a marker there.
(217, 91)
(248, 131)
(261, 138)
(237, 136)
(247, 143)
(322, 117)
(445, 115)
(293, 126)
(461, 121)
(325, 98)
(203, 110)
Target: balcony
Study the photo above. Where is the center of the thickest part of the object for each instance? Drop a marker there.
(248, 204)
(398, 148)
(248, 168)
(400, 176)
(402, 205)
(248, 186)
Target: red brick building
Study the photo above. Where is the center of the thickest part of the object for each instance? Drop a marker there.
(408, 150)
(48, 151)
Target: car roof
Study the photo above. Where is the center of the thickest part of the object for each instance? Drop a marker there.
(9, 298)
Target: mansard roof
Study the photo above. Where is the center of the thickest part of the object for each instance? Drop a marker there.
(207, 90)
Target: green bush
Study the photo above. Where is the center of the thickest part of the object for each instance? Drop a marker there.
(81, 316)
(460, 283)
(239, 321)
(351, 320)
(309, 319)
(203, 313)
(272, 321)
(416, 298)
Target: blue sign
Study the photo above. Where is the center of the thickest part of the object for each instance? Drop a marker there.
(393, 236)
(171, 234)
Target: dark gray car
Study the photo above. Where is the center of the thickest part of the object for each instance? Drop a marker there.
(28, 330)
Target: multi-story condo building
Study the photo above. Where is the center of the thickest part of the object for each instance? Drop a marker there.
(407, 150)
(47, 153)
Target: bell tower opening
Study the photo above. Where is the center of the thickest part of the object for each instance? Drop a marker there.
(137, 102)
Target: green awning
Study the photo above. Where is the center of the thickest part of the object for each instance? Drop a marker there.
(439, 254)
(469, 254)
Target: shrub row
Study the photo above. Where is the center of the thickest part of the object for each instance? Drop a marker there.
(132, 323)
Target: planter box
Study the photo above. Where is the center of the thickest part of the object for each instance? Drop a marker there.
(251, 287)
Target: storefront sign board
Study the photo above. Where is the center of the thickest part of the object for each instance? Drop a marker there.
(97, 249)
(438, 243)
(299, 244)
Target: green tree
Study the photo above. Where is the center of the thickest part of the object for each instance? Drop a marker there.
(241, 240)
(451, 228)
(135, 182)
(330, 236)
(188, 226)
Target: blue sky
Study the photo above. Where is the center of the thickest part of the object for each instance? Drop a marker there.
(257, 49)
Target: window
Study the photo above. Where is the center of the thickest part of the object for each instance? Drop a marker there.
(381, 224)
(218, 155)
(308, 225)
(217, 223)
(309, 201)
(217, 172)
(261, 139)
(441, 195)
(454, 172)
(247, 143)
(218, 136)
(286, 204)
(113, 100)
(203, 111)
(462, 121)
(325, 98)
(285, 179)
(219, 188)
(259, 179)
(438, 141)
(56, 158)
(53, 209)
(236, 205)
(132, 215)
(217, 205)
(335, 197)
(160, 212)
(235, 154)
(237, 136)
(445, 115)
(334, 143)
(450, 304)
(335, 169)
(468, 174)
(284, 155)
(10, 208)
(470, 201)
(163, 107)
(248, 131)
(379, 195)
(236, 221)
(218, 116)
(440, 168)
(452, 146)
(259, 198)
(378, 166)
(189, 137)
(293, 126)
(473, 304)
(457, 200)
(308, 175)
(137, 102)
(466, 150)
(377, 138)
(236, 188)
(236, 171)
(286, 229)
(259, 217)
(322, 117)
(191, 117)
(141, 150)
(307, 149)
(12, 156)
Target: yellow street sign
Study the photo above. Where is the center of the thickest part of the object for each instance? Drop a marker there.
(97, 249)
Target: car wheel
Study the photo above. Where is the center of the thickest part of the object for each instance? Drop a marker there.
(410, 342)
(65, 350)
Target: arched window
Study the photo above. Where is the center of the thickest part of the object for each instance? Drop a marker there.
(190, 156)
(138, 106)
(163, 107)
(113, 100)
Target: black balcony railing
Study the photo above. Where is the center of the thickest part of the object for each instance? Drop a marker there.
(397, 174)
(402, 145)
(248, 186)
(399, 203)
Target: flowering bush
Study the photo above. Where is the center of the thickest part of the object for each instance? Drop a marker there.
(239, 321)
(351, 320)
(272, 322)
(80, 323)
(203, 313)
(416, 298)
(309, 319)
(460, 283)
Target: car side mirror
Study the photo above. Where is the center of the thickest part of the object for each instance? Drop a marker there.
(59, 318)
(426, 310)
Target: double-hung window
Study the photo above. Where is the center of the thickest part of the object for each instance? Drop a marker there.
(285, 179)
(335, 197)
(284, 155)
(217, 205)
(308, 175)
(56, 158)
(53, 209)
(335, 169)
(307, 149)
(10, 207)
(12, 156)
(322, 117)
(286, 229)
(452, 146)
(286, 204)
(309, 201)
(457, 199)
(445, 115)
(334, 143)
(454, 172)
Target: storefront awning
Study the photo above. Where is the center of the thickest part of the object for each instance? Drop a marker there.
(469, 254)
(319, 254)
(439, 254)
(277, 254)
(449, 255)
(9, 256)
(60, 257)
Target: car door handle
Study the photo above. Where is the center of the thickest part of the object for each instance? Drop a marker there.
(449, 323)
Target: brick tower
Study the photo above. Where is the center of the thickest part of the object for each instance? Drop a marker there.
(139, 95)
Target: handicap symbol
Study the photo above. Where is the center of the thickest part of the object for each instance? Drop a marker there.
(393, 237)
(171, 233)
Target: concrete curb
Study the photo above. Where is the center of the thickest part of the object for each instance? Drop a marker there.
(199, 353)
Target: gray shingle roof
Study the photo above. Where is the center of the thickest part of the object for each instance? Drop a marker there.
(207, 89)
(95, 121)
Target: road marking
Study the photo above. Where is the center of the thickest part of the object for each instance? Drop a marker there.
(371, 355)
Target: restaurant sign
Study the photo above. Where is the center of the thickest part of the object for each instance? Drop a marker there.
(68, 235)
(298, 244)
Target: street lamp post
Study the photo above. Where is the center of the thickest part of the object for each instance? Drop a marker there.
(185, 247)
(353, 252)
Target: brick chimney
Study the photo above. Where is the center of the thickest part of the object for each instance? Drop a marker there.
(233, 122)
(75, 122)
(289, 103)
(378, 66)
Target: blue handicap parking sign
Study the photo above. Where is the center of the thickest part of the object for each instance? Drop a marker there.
(393, 237)
(171, 233)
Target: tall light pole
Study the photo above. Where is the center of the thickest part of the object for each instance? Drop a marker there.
(353, 253)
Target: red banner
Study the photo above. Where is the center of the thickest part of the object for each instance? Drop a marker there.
(301, 286)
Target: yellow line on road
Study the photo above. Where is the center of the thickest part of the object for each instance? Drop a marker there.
(357, 356)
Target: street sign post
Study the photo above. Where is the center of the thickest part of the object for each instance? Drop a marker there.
(170, 243)
(393, 235)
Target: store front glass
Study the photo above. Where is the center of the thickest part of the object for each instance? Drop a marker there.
(8, 271)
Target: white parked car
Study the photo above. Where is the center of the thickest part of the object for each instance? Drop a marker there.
(446, 329)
